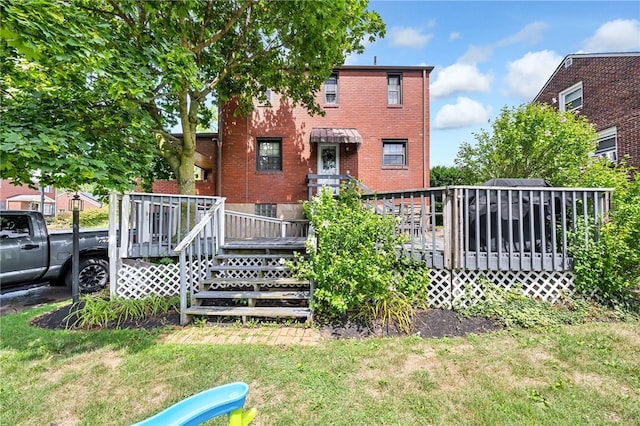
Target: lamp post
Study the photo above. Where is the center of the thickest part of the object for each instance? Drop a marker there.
(75, 205)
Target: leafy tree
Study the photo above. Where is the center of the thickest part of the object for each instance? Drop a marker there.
(154, 65)
(447, 176)
(531, 141)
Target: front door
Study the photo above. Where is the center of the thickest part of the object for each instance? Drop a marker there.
(329, 164)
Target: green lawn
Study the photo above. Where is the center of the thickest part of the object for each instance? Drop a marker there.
(585, 374)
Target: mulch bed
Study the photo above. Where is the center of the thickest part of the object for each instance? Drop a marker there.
(431, 323)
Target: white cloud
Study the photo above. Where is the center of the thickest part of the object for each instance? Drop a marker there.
(460, 78)
(530, 34)
(455, 36)
(527, 75)
(615, 36)
(408, 37)
(464, 113)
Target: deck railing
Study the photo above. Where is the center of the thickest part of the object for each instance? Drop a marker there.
(195, 251)
(243, 226)
(152, 225)
(494, 228)
(335, 182)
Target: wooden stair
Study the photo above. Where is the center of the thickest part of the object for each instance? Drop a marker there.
(253, 281)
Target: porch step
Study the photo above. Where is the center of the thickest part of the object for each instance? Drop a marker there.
(248, 268)
(225, 294)
(243, 282)
(244, 311)
(256, 273)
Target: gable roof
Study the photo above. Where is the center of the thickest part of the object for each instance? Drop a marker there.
(581, 56)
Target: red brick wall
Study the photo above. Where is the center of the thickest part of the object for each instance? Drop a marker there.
(362, 104)
(611, 89)
(203, 187)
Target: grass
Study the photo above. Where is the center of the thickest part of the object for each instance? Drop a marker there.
(584, 374)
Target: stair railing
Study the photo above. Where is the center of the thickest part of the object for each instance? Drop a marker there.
(196, 249)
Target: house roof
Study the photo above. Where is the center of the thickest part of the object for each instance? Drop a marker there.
(33, 198)
(573, 56)
(335, 135)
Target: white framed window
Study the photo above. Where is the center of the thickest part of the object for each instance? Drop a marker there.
(571, 98)
(394, 89)
(331, 89)
(394, 152)
(608, 144)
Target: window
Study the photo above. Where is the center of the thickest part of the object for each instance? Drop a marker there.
(608, 144)
(14, 227)
(571, 98)
(394, 89)
(268, 210)
(331, 89)
(394, 152)
(269, 154)
(266, 100)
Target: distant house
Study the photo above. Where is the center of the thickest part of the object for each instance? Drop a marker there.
(21, 197)
(375, 129)
(606, 89)
(89, 202)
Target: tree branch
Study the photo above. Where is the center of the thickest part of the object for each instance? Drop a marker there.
(230, 23)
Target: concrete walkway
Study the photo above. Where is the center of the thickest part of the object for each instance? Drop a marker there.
(236, 335)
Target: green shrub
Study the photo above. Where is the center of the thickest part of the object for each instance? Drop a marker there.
(609, 265)
(355, 263)
(511, 308)
(99, 311)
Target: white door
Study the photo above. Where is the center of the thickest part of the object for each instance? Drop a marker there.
(329, 164)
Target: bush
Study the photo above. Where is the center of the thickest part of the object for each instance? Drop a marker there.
(355, 262)
(610, 264)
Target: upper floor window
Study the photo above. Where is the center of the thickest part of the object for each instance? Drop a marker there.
(269, 154)
(608, 144)
(394, 152)
(264, 100)
(571, 98)
(331, 89)
(394, 89)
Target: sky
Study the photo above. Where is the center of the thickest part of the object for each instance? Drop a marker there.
(488, 55)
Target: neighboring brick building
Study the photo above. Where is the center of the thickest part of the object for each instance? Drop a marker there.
(21, 197)
(376, 128)
(606, 89)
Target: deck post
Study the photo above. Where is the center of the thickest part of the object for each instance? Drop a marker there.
(114, 259)
(447, 222)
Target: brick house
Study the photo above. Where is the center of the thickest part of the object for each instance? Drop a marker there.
(376, 128)
(604, 87)
(21, 197)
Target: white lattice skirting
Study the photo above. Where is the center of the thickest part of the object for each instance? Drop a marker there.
(448, 288)
(464, 288)
(140, 279)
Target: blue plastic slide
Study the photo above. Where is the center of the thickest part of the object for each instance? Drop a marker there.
(226, 399)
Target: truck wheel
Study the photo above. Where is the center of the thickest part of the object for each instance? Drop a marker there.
(93, 275)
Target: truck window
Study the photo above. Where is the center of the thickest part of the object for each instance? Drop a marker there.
(14, 227)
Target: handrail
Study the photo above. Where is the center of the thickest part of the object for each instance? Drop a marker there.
(188, 239)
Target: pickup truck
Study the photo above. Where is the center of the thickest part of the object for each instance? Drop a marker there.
(29, 253)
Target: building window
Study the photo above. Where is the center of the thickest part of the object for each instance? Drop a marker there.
(331, 89)
(269, 154)
(394, 152)
(394, 89)
(571, 98)
(608, 144)
(268, 210)
(266, 100)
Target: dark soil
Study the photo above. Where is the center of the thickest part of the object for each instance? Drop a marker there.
(431, 323)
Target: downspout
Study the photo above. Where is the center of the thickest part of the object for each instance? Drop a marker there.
(219, 166)
(425, 148)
